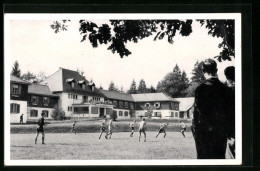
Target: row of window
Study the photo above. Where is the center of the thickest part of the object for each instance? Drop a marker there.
(34, 113)
(84, 110)
(35, 100)
(122, 104)
(156, 105)
(120, 113)
(72, 96)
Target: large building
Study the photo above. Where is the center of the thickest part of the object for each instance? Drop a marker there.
(159, 104)
(79, 98)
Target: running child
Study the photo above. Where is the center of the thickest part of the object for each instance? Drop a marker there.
(183, 128)
(40, 128)
(132, 126)
(110, 131)
(103, 128)
(142, 127)
(73, 127)
(162, 129)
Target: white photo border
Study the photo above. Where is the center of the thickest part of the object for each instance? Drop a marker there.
(40, 16)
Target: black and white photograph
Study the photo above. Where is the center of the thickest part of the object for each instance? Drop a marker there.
(123, 89)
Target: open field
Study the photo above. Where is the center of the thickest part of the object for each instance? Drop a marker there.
(93, 126)
(82, 146)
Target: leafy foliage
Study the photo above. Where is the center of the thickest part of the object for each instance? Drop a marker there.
(113, 115)
(174, 83)
(32, 78)
(226, 30)
(58, 113)
(16, 71)
(125, 31)
(132, 89)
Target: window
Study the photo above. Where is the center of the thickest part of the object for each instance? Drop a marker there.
(172, 114)
(45, 101)
(34, 100)
(114, 112)
(120, 104)
(69, 96)
(46, 113)
(126, 104)
(83, 86)
(126, 113)
(69, 108)
(120, 113)
(85, 99)
(94, 110)
(115, 103)
(72, 84)
(176, 114)
(96, 98)
(34, 113)
(85, 109)
(15, 108)
(157, 104)
(16, 89)
(147, 105)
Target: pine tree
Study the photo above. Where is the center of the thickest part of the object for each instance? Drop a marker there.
(112, 87)
(152, 89)
(142, 87)
(132, 89)
(16, 70)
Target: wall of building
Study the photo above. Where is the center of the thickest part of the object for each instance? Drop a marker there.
(52, 101)
(165, 114)
(39, 109)
(123, 111)
(23, 95)
(15, 117)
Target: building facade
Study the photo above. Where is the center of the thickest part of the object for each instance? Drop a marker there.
(78, 97)
(186, 107)
(18, 99)
(157, 105)
(40, 99)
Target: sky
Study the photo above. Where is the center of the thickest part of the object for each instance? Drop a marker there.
(38, 49)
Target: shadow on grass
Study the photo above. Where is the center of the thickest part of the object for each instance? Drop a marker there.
(26, 146)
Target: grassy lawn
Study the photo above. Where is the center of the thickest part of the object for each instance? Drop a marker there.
(87, 146)
(93, 126)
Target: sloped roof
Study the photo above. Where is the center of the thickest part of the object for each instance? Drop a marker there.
(68, 74)
(58, 83)
(117, 95)
(148, 97)
(185, 103)
(17, 80)
(40, 89)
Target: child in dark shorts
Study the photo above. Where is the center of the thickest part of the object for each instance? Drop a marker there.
(40, 129)
(102, 128)
(162, 129)
(73, 127)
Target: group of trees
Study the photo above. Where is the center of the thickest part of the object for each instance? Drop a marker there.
(28, 76)
(174, 84)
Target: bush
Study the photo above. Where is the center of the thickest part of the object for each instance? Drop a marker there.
(113, 115)
(58, 113)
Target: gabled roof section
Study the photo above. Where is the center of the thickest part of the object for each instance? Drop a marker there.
(151, 97)
(68, 80)
(41, 90)
(185, 103)
(17, 80)
(54, 81)
(117, 95)
(69, 74)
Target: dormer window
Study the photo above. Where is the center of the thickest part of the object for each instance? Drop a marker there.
(71, 81)
(82, 83)
(147, 105)
(92, 86)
